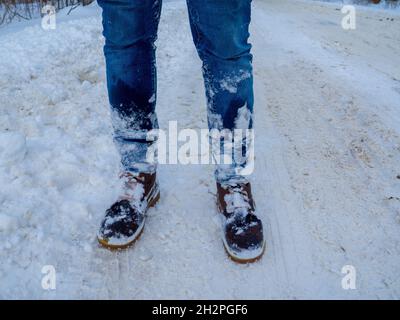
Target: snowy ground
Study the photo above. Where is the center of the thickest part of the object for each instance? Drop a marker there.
(327, 180)
(383, 4)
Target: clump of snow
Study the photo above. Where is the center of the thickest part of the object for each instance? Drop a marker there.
(133, 192)
(215, 120)
(235, 201)
(230, 83)
(152, 98)
(242, 121)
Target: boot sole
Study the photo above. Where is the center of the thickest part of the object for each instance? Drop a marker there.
(240, 260)
(136, 237)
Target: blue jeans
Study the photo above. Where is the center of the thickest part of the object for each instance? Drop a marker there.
(220, 30)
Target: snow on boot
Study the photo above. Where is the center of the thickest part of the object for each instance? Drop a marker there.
(124, 220)
(243, 236)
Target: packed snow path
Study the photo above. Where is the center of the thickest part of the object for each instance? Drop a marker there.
(327, 182)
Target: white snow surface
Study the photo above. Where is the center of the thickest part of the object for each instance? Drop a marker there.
(326, 183)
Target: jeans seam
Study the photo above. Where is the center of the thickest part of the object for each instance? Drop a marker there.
(156, 18)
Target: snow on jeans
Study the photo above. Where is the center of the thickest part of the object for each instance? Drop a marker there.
(220, 30)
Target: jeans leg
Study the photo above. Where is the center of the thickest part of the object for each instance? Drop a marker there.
(130, 31)
(220, 32)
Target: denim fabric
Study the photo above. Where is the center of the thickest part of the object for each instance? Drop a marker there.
(220, 30)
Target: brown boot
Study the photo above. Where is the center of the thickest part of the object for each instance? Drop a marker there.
(243, 236)
(124, 220)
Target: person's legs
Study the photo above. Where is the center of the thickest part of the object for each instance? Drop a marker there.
(220, 32)
(130, 30)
